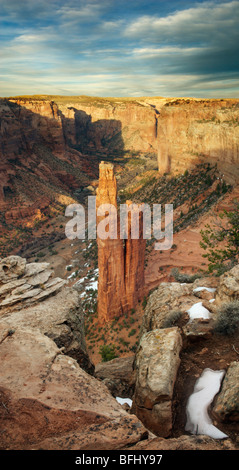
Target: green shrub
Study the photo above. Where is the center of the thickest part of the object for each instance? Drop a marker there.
(227, 321)
(107, 352)
(183, 277)
(132, 332)
(172, 318)
(227, 231)
(144, 303)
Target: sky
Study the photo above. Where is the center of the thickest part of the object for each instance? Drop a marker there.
(120, 48)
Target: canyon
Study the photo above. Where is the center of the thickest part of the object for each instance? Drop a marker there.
(63, 302)
(51, 147)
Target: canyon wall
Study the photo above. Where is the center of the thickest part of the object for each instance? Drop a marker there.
(194, 131)
(50, 146)
(120, 261)
(54, 143)
(35, 159)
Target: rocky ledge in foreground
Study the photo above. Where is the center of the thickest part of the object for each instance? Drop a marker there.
(49, 402)
(31, 297)
(49, 398)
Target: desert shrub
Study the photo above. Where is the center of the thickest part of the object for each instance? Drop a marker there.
(172, 318)
(107, 352)
(222, 259)
(227, 321)
(183, 277)
(144, 303)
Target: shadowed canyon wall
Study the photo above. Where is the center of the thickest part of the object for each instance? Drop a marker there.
(120, 262)
(51, 146)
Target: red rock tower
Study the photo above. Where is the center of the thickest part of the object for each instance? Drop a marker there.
(120, 262)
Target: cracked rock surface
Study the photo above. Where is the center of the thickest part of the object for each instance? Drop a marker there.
(48, 402)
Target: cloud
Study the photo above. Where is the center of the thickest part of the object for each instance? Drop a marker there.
(201, 40)
(92, 47)
(206, 22)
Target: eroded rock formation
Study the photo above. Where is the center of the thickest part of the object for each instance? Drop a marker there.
(157, 363)
(30, 297)
(49, 402)
(120, 261)
(227, 402)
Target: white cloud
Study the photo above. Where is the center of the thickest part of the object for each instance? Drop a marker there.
(199, 23)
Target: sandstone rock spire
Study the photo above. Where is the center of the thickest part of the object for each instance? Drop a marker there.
(120, 261)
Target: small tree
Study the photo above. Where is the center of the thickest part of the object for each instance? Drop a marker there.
(107, 352)
(226, 231)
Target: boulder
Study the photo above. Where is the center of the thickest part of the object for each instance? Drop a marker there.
(61, 318)
(228, 288)
(11, 268)
(118, 375)
(198, 329)
(37, 300)
(25, 284)
(185, 443)
(168, 297)
(227, 402)
(48, 402)
(157, 362)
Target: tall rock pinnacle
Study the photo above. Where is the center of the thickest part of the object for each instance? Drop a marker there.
(120, 261)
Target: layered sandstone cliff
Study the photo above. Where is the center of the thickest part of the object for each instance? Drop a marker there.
(50, 146)
(57, 139)
(194, 131)
(120, 261)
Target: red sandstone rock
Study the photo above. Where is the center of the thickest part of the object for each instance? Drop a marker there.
(120, 262)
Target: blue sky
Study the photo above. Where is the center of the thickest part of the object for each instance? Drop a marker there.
(120, 48)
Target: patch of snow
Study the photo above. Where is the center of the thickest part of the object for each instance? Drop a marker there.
(198, 311)
(212, 300)
(124, 400)
(209, 289)
(92, 285)
(206, 387)
(80, 281)
(71, 275)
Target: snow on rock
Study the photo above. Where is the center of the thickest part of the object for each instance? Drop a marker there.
(198, 311)
(206, 387)
(92, 285)
(124, 400)
(209, 289)
(72, 275)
